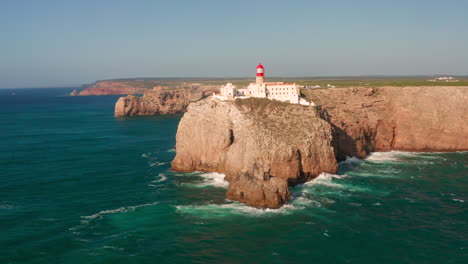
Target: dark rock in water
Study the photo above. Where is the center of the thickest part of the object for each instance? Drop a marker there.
(74, 93)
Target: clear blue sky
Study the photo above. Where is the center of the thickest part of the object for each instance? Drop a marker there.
(65, 42)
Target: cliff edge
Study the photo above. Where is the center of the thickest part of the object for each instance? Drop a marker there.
(163, 100)
(117, 87)
(265, 146)
(421, 118)
(262, 146)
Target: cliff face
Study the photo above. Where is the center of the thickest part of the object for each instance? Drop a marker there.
(262, 146)
(114, 88)
(162, 100)
(395, 118)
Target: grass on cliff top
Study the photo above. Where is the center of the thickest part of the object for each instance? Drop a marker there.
(258, 102)
(398, 82)
(310, 81)
(261, 106)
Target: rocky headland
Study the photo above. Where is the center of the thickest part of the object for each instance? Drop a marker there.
(117, 87)
(421, 119)
(163, 100)
(265, 146)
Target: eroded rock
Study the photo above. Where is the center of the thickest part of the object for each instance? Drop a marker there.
(260, 145)
(162, 100)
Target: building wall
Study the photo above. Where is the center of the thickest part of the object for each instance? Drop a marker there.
(276, 91)
(257, 90)
(283, 93)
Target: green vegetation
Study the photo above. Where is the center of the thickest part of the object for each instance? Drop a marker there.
(259, 105)
(400, 82)
(322, 82)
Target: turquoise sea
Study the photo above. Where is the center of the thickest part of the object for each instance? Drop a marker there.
(78, 185)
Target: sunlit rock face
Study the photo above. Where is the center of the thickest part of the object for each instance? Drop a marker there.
(395, 118)
(262, 146)
(162, 100)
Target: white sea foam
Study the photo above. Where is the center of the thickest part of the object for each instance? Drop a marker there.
(215, 179)
(235, 208)
(171, 150)
(326, 179)
(6, 205)
(351, 161)
(210, 179)
(115, 211)
(156, 163)
(161, 177)
(398, 156)
(458, 200)
(148, 155)
(113, 248)
(389, 156)
(187, 173)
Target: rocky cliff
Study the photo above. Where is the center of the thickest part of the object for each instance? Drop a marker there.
(163, 100)
(265, 146)
(395, 118)
(116, 87)
(262, 146)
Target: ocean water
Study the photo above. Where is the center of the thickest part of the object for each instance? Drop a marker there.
(78, 185)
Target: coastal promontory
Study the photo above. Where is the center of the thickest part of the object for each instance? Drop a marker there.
(116, 87)
(263, 146)
(163, 100)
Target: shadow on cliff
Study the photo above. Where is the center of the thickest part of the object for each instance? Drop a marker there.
(344, 144)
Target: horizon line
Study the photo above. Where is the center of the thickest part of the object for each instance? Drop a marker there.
(344, 77)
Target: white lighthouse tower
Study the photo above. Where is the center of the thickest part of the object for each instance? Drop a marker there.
(260, 74)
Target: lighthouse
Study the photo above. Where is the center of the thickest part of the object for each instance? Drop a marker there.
(280, 91)
(260, 74)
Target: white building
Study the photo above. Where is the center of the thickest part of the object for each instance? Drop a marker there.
(286, 92)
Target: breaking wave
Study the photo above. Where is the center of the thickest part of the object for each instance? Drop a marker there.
(326, 179)
(161, 177)
(210, 179)
(235, 208)
(389, 156)
(118, 210)
(404, 157)
(156, 163)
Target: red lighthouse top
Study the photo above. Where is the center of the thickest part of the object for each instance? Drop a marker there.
(260, 70)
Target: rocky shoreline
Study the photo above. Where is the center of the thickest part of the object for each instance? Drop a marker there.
(265, 146)
(163, 100)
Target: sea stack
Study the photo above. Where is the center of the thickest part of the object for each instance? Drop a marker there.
(263, 146)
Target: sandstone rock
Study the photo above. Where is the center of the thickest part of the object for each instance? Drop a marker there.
(261, 146)
(162, 100)
(395, 118)
(270, 193)
(265, 146)
(115, 88)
